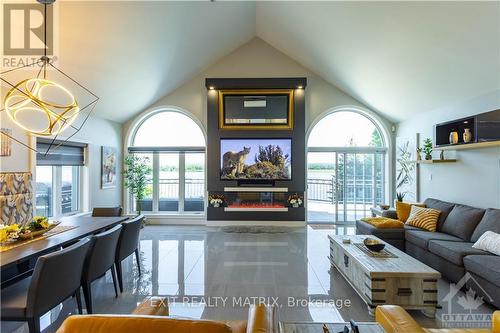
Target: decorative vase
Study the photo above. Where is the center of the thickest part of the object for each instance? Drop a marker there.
(216, 205)
(419, 157)
(467, 135)
(295, 205)
(441, 155)
(453, 137)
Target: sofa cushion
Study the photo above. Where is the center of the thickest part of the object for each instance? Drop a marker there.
(423, 218)
(454, 252)
(489, 222)
(462, 221)
(364, 228)
(383, 222)
(421, 237)
(443, 206)
(403, 209)
(487, 267)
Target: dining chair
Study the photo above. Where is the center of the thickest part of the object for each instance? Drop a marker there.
(100, 259)
(107, 211)
(56, 277)
(128, 243)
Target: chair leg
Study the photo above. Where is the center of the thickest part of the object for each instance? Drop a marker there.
(78, 297)
(113, 275)
(138, 261)
(87, 294)
(119, 274)
(34, 325)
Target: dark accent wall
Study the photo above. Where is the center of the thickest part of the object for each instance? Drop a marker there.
(297, 134)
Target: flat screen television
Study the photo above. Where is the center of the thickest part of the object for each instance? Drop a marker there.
(255, 159)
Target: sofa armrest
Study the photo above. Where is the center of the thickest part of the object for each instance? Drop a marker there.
(262, 319)
(394, 319)
(390, 213)
(495, 325)
(152, 306)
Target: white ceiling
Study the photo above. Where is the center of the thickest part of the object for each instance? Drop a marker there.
(399, 58)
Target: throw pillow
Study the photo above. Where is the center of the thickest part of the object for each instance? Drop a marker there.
(383, 222)
(490, 242)
(423, 218)
(403, 209)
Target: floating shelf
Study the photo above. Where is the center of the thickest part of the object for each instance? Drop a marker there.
(433, 161)
(254, 209)
(470, 146)
(256, 189)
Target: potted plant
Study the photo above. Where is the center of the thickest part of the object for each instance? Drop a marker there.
(400, 196)
(135, 177)
(427, 149)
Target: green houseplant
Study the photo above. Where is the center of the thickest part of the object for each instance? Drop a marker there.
(427, 149)
(135, 175)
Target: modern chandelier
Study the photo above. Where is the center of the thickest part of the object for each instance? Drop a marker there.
(54, 107)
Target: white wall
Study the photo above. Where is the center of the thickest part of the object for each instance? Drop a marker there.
(475, 178)
(256, 59)
(96, 132)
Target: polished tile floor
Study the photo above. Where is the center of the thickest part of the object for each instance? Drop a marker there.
(215, 273)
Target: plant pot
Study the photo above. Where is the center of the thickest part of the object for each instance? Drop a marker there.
(216, 205)
(428, 157)
(296, 205)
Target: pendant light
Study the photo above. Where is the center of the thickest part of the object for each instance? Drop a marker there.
(54, 107)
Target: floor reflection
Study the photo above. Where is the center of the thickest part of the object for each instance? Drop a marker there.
(214, 274)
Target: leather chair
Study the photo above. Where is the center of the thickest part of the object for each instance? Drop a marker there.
(128, 243)
(100, 259)
(55, 278)
(395, 319)
(261, 319)
(107, 211)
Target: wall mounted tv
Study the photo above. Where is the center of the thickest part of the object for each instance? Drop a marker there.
(255, 159)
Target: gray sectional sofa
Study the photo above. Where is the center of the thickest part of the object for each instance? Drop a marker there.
(449, 249)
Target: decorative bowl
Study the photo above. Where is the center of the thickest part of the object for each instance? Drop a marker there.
(40, 232)
(384, 207)
(373, 244)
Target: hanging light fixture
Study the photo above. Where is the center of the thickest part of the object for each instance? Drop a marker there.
(53, 107)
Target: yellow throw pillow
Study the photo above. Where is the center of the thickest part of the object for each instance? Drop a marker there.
(383, 222)
(403, 209)
(423, 218)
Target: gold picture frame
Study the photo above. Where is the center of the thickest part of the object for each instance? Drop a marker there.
(223, 124)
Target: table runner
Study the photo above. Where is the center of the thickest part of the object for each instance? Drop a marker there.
(57, 230)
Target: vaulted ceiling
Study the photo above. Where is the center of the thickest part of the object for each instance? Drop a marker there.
(398, 58)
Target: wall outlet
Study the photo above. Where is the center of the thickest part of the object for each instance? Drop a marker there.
(430, 176)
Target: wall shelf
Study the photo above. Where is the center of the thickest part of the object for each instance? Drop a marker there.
(470, 146)
(433, 161)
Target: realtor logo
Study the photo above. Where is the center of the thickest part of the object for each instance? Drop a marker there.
(465, 310)
(23, 29)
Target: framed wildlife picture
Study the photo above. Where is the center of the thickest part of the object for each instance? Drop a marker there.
(406, 168)
(256, 109)
(108, 167)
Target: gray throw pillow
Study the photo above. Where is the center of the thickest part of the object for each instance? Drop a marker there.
(462, 221)
(489, 222)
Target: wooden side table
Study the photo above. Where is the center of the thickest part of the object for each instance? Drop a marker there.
(307, 327)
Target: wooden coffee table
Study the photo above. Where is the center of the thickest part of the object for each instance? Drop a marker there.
(398, 280)
(306, 327)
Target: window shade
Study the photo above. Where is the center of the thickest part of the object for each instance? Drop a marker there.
(67, 153)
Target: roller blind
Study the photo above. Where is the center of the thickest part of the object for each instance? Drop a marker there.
(67, 153)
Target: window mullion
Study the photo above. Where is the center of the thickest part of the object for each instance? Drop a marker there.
(182, 180)
(57, 197)
(156, 182)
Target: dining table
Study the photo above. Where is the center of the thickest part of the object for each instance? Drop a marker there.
(18, 262)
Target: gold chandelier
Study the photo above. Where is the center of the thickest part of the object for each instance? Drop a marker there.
(50, 104)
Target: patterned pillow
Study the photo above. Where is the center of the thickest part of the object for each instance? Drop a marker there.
(403, 209)
(423, 218)
(489, 242)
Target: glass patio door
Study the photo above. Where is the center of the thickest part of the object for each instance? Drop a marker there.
(342, 186)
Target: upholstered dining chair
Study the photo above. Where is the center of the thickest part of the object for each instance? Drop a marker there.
(55, 278)
(107, 211)
(128, 243)
(100, 259)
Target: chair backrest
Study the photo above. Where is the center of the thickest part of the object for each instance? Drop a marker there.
(107, 211)
(56, 277)
(101, 254)
(129, 237)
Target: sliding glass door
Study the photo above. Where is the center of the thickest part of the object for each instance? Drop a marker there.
(342, 186)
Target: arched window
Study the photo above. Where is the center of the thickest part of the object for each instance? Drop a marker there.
(345, 167)
(173, 145)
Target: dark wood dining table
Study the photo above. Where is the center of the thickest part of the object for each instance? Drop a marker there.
(20, 260)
